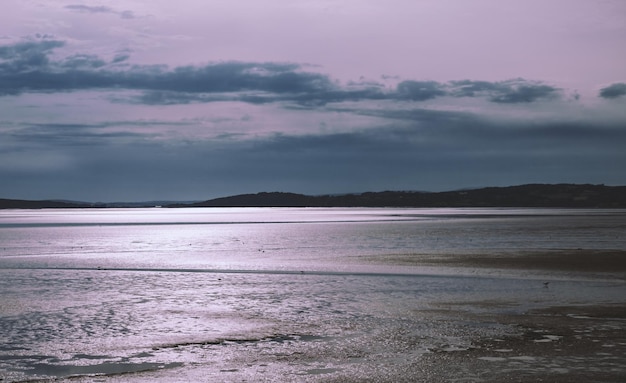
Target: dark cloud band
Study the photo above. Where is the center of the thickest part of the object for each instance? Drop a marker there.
(28, 67)
(613, 91)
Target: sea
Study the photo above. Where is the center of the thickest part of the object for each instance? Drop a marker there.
(275, 294)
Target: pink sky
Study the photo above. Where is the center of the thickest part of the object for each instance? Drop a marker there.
(582, 43)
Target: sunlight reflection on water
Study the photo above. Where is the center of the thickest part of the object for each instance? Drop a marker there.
(288, 239)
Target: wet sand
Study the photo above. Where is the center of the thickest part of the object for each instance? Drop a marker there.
(560, 344)
(564, 343)
(578, 260)
(586, 263)
(481, 341)
(584, 343)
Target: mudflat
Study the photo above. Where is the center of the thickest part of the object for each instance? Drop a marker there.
(570, 341)
(590, 263)
(579, 260)
(585, 343)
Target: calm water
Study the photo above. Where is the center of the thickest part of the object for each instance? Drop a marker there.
(265, 294)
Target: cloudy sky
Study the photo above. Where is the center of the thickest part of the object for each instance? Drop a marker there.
(128, 100)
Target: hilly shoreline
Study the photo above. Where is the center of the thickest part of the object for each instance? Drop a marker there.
(530, 195)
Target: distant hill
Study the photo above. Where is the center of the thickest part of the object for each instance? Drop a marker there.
(532, 195)
(61, 204)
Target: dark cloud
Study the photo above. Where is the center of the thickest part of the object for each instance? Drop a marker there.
(426, 117)
(468, 88)
(28, 67)
(311, 89)
(323, 97)
(613, 91)
(162, 97)
(120, 58)
(99, 9)
(419, 90)
(232, 77)
(19, 60)
(525, 93)
(510, 91)
(64, 135)
(81, 61)
(27, 56)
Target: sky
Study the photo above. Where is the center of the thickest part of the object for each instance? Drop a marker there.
(138, 100)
